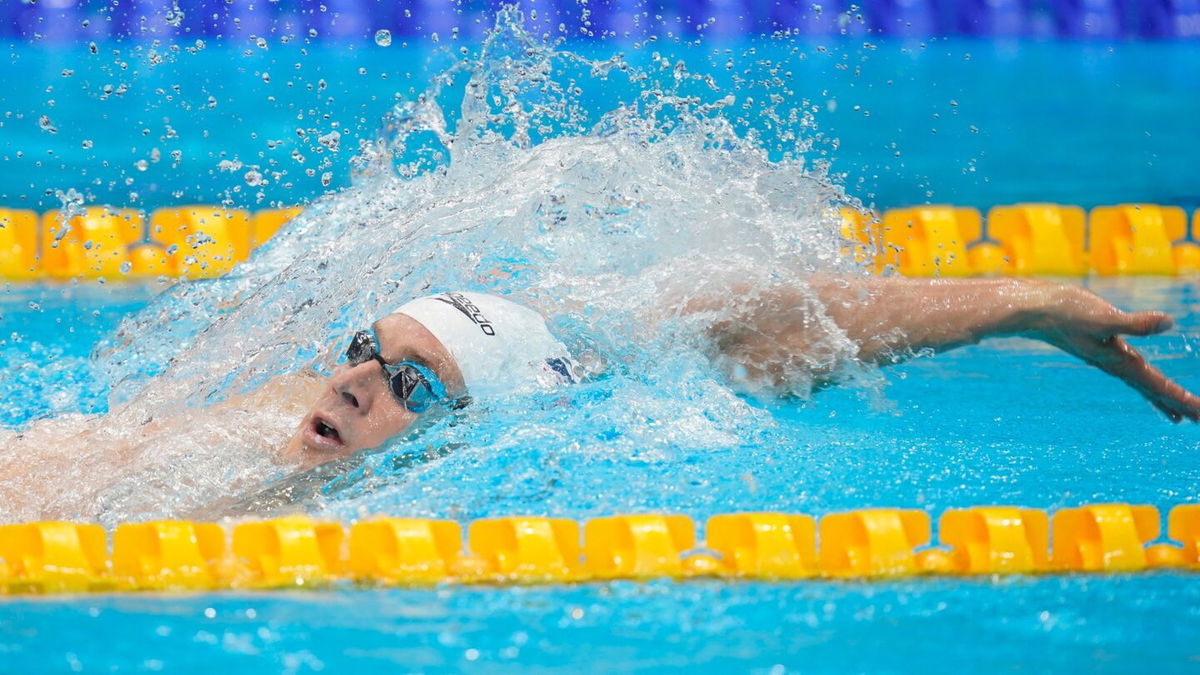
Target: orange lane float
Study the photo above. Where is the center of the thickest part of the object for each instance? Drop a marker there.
(1040, 239)
(297, 551)
(1136, 239)
(18, 245)
(107, 243)
(205, 241)
(996, 539)
(928, 240)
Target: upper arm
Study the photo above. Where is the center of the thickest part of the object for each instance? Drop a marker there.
(775, 335)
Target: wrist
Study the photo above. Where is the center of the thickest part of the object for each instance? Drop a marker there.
(1037, 306)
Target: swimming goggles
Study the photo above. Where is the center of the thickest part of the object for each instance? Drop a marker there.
(414, 385)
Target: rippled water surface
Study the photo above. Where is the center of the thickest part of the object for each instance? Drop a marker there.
(1117, 624)
(591, 186)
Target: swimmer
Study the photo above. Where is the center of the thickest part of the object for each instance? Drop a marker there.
(435, 354)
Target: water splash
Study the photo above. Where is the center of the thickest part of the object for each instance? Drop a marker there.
(497, 178)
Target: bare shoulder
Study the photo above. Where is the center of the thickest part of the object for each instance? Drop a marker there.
(45, 432)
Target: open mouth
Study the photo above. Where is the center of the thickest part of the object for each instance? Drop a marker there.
(324, 432)
(327, 431)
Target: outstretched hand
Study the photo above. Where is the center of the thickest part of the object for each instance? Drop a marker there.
(1087, 326)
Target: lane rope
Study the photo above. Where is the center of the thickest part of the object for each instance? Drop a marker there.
(298, 551)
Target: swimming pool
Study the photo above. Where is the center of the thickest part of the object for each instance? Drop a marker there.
(1005, 422)
(836, 453)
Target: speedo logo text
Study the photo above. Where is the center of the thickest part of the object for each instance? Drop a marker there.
(462, 304)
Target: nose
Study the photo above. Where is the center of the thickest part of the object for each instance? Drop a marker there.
(357, 385)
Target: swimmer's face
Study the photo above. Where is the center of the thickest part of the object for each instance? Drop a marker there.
(357, 410)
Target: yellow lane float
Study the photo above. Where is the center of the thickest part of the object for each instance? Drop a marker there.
(297, 551)
(204, 241)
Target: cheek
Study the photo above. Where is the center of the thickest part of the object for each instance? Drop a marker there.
(385, 421)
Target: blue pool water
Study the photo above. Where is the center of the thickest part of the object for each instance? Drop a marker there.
(593, 212)
(970, 122)
(1055, 624)
(1005, 422)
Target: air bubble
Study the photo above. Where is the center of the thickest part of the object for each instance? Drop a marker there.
(174, 16)
(383, 37)
(330, 140)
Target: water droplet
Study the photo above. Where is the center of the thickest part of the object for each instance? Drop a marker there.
(174, 16)
(331, 140)
(383, 37)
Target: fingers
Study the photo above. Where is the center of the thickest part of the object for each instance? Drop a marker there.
(1088, 326)
(1085, 310)
(1145, 323)
(1168, 396)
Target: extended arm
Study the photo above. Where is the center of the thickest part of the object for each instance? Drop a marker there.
(889, 318)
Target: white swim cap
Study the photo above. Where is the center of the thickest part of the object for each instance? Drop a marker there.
(501, 347)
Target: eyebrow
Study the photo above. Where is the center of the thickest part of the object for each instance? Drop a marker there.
(417, 355)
